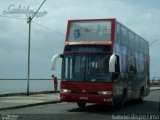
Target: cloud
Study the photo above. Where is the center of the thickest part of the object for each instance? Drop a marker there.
(44, 43)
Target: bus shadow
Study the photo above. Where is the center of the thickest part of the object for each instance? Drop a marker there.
(94, 108)
(131, 107)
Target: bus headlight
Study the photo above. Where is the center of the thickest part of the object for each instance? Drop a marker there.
(65, 91)
(105, 92)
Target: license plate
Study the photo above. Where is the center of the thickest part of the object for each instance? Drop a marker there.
(83, 98)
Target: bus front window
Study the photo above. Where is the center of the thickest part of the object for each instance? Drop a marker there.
(90, 31)
(86, 67)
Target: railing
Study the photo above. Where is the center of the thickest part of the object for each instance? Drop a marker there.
(155, 82)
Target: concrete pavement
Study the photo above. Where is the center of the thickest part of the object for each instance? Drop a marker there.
(20, 101)
(154, 88)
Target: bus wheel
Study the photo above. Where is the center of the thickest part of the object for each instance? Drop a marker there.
(81, 105)
(123, 100)
(159, 105)
(141, 95)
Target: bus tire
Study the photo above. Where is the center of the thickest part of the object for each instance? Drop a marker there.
(81, 104)
(159, 105)
(123, 100)
(122, 103)
(141, 96)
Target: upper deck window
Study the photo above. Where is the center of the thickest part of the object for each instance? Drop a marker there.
(90, 31)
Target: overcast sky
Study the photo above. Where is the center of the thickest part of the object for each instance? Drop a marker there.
(142, 16)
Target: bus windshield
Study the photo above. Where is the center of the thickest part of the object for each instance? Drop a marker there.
(86, 68)
(90, 31)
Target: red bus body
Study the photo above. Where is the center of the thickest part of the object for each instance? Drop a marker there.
(86, 92)
(87, 46)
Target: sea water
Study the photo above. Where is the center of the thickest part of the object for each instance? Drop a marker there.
(20, 86)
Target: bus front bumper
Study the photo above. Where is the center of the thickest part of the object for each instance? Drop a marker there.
(87, 98)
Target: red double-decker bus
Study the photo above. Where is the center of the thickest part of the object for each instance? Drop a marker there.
(103, 62)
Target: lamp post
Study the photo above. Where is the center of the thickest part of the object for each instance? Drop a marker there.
(150, 44)
(29, 43)
(29, 20)
(153, 41)
(158, 77)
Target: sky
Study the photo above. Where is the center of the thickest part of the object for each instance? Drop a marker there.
(48, 31)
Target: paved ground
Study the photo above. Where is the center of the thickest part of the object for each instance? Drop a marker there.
(24, 101)
(70, 111)
(32, 100)
(155, 88)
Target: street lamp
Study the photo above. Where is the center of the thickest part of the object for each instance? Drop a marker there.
(150, 44)
(153, 42)
(29, 20)
(154, 77)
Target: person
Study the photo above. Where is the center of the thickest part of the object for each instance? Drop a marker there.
(55, 82)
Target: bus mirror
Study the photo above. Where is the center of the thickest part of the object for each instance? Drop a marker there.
(61, 56)
(112, 62)
(54, 60)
